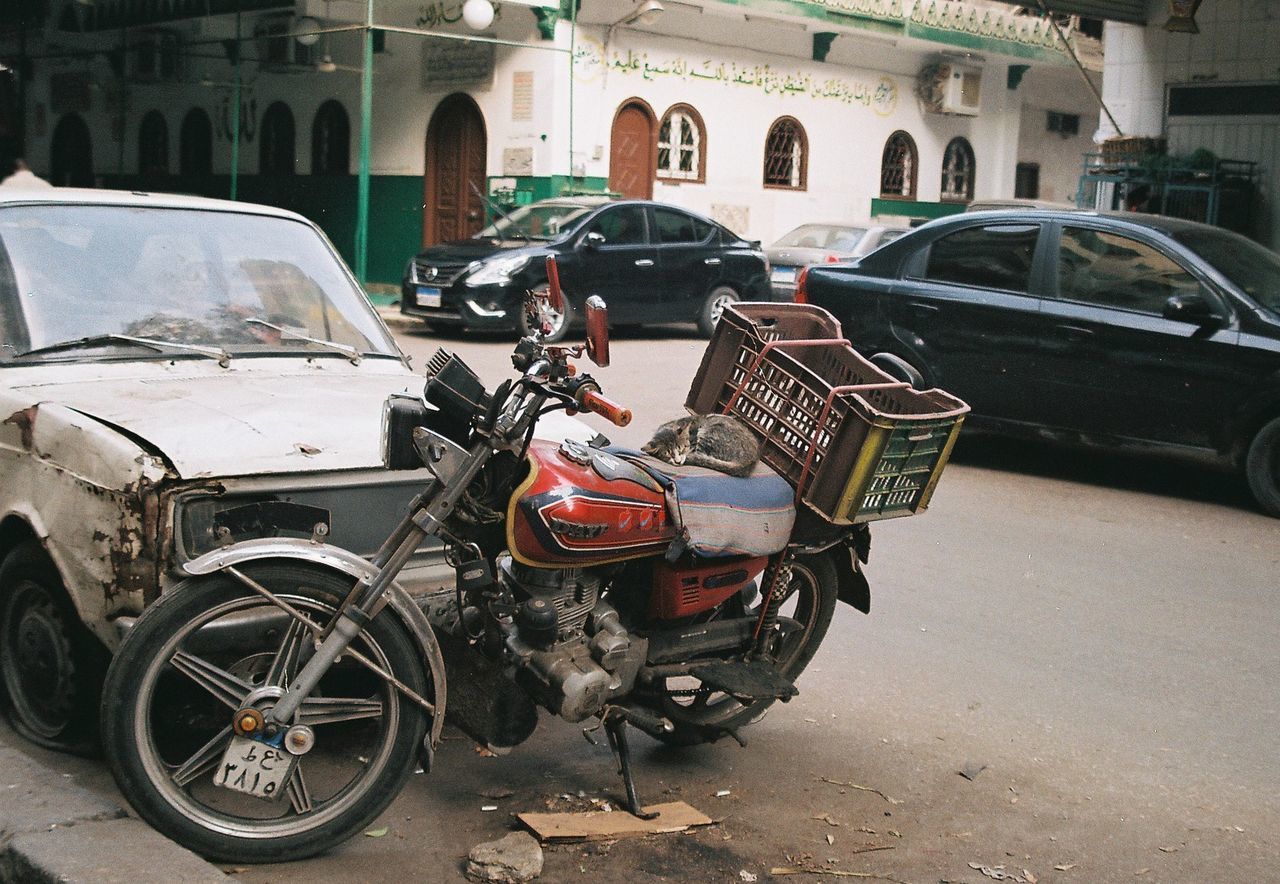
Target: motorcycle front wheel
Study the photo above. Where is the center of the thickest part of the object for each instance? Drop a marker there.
(703, 715)
(194, 658)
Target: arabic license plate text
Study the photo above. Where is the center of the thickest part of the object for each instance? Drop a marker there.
(784, 274)
(428, 296)
(254, 768)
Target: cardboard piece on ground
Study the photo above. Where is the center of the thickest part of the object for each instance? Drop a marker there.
(601, 825)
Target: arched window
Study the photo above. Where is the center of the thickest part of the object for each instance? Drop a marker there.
(898, 167)
(195, 144)
(330, 140)
(786, 155)
(957, 171)
(71, 153)
(682, 143)
(153, 144)
(276, 155)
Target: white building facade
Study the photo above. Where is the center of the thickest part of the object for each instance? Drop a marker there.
(762, 114)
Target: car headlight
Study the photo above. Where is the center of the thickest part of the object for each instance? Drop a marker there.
(498, 271)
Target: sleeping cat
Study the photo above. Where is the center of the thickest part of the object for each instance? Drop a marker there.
(717, 441)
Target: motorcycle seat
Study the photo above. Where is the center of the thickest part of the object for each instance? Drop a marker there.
(721, 515)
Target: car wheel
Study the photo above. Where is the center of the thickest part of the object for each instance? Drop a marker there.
(560, 322)
(721, 296)
(51, 666)
(1262, 467)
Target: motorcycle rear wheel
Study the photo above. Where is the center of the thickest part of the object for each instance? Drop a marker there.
(192, 658)
(702, 716)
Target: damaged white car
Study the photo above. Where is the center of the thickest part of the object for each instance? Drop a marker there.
(176, 374)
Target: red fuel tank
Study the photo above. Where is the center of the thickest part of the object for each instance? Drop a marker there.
(569, 513)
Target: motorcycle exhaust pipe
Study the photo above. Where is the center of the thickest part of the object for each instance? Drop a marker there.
(695, 641)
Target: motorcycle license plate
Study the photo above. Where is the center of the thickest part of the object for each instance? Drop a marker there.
(428, 296)
(254, 768)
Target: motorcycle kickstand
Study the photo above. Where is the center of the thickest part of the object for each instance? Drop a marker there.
(615, 727)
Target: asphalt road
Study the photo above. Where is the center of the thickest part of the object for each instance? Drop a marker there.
(1091, 637)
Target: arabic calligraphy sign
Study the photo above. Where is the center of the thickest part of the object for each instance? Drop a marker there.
(454, 63)
(879, 95)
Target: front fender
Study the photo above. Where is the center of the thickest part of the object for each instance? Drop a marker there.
(345, 562)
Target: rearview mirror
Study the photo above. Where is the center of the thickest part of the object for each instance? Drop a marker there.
(593, 240)
(1193, 308)
(597, 331)
(554, 296)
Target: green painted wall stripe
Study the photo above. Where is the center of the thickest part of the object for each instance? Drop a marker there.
(914, 208)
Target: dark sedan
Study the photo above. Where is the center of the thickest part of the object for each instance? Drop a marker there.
(650, 262)
(1110, 329)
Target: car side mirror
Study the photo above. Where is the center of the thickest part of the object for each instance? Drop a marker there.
(1195, 309)
(593, 240)
(597, 331)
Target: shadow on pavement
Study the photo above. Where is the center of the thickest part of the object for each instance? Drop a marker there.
(1130, 471)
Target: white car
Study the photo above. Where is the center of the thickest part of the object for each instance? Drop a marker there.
(823, 244)
(176, 374)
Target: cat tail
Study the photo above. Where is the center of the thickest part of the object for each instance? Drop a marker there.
(733, 468)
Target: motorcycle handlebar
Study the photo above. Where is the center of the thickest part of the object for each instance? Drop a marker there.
(591, 400)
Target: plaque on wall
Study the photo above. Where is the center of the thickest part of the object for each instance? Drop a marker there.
(448, 64)
(522, 96)
(517, 161)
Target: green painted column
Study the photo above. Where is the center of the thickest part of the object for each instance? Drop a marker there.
(235, 116)
(366, 138)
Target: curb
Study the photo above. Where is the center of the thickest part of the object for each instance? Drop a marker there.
(395, 320)
(52, 830)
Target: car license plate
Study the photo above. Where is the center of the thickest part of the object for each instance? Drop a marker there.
(254, 768)
(428, 296)
(784, 274)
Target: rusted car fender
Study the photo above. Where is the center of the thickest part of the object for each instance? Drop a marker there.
(352, 565)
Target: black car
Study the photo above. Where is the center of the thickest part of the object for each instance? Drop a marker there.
(650, 262)
(1109, 329)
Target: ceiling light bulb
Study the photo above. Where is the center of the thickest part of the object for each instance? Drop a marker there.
(305, 27)
(478, 14)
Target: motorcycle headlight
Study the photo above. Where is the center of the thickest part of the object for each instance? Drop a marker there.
(498, 271)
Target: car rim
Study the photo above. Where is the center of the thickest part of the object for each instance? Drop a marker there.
(38, 668)
(718, 305)
(182, 732)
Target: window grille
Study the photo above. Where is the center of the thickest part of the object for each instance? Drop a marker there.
(786, 155)
(898, 167)
(957, 171)
(680, 145)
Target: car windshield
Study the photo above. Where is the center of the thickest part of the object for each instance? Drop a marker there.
(822, 236)
(215, 281)
(537, 221)
(1255, 269)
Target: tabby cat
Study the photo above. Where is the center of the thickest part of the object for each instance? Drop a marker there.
(716, 441)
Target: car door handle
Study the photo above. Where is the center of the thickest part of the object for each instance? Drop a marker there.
(644, 262)
(923, 311)
(1074, 334)
(710, 260)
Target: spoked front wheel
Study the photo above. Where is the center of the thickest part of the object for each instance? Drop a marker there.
(701, 714)
(211, 647)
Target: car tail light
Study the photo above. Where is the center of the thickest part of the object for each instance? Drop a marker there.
(833, 259)
(802, 279)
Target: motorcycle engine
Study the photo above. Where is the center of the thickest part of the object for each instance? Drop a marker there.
(571, 648)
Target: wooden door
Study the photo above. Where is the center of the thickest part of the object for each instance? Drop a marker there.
(456, 147)
(631, 151)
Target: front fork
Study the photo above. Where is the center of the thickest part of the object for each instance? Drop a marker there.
(368, 597)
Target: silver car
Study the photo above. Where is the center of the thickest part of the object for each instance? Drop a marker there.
(822, 244)
(176, 374)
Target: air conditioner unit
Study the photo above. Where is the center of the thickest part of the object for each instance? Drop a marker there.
(950, 89)
(275, 48)
(962, 91)
(155, 57)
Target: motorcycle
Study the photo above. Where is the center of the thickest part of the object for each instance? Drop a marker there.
(275, 702)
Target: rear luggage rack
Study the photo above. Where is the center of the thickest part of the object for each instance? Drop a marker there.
(856, 444)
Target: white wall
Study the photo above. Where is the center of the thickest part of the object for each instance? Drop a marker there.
(1059, 157)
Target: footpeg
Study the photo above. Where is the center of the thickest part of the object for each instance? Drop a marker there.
(746, 682)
